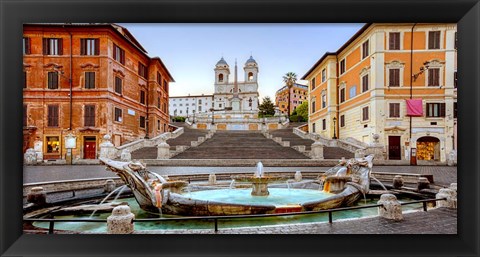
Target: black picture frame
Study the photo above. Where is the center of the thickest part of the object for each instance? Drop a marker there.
(14, 13)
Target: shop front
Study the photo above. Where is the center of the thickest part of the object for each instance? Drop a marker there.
(428, 148)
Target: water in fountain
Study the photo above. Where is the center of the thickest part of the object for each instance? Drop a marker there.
(108, 196)
(381, 184)
(288, 184)
(232, 184)
(259, 172)
(119, 193)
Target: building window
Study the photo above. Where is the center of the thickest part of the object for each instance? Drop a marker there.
(142, 121)
(365, 113)
(313, 127)
(313, 106)
(89, 80)
(52, 80)
(158, 102)
(352, 92)
(25, 79)
(342, 121)
(118, 54)
(455, 79)
(118, 114)
(220, 105)
(313, 84)
(455, 40)
(89, 46)
(434, 40)
(365, 83)
(394, 41)
(324, 124)
(434, 77)
(53, 144)
(342, 95)
(142, 97)
(455, 109)
(394, 77)
(24, 115)
(342, 66)
(365, 49)
(394, 110)
(26, 45)
(324, 75)
(164, 108)
(53, 115)
(324, 100)
(159, 78)
(165, 86)
(142, 70)
(199, 108)
(52, 46)
(435, 109)
(220, 77)
(118, 85)
(158, 124)
(89, 116)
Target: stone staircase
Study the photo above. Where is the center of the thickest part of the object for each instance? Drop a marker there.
(183, 140)
(328, 152)
(239, 145)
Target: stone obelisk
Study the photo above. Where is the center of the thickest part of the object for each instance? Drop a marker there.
(235, 102)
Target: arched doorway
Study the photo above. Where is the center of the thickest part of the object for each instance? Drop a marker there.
(428, 148)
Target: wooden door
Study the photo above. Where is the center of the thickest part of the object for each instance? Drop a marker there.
(89, 149)
(394, 148)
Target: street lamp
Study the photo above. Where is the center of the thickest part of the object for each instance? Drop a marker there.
(213, 115)
(334, 128)
(193, 116)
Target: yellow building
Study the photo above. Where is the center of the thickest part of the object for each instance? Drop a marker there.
(365, 86)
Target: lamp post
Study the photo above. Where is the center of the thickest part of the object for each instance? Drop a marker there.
(187, 113)
(334, 128)
(213, 115)
(193, 116)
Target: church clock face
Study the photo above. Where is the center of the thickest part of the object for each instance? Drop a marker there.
(219, 89)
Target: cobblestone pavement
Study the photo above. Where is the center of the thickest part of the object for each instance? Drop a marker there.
(440, 221)
(443, 175)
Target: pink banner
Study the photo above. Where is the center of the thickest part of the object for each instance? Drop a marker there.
(414, 107)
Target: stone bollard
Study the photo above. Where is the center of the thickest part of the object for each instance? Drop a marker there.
(391, 208)
(423, 183)
(451, 196)
(107, 149)
(109, 186)
(317, 151)
(452, 158)
(30, 157)
(163, 151)
(121, 221)
(126, 156)
(212, 179)
(201, 139)
(286, 143)
(398, 182)
(298, 176)
(208, 136)
(37, 196)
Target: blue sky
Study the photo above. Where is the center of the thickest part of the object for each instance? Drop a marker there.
(190, 51)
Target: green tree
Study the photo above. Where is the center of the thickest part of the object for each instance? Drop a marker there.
(267, 107)
(289, 78)
(302, 110)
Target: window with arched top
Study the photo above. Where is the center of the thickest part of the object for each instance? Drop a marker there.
(250, 76)
(220, 77)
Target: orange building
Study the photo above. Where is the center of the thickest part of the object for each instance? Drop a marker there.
(88, 80)
(298, 95)
(362, 89)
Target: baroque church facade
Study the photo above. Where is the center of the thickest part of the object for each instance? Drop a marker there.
(237, 96)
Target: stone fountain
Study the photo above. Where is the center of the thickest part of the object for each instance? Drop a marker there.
(342, 186)
(259, 181)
